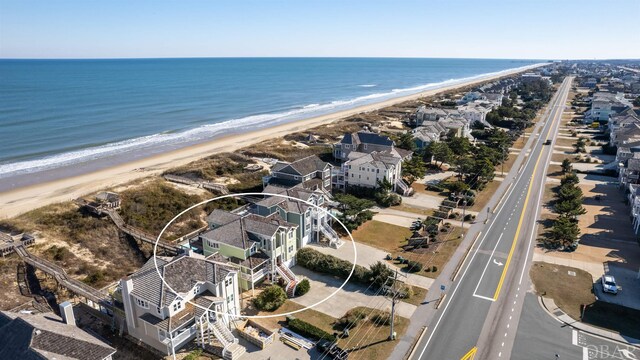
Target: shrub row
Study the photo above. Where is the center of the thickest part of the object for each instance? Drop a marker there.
(305, 329)
(331, 265)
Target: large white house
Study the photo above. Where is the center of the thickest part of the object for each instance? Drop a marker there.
(368, 158)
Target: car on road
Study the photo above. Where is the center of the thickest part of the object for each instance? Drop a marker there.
(609, 284)
(548, 142)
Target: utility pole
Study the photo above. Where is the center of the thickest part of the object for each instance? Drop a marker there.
(464, 208)
(394, 299)
(504, 150)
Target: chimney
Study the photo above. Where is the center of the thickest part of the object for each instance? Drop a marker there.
(66, 311)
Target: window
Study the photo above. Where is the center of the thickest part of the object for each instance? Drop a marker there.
(158, 310)
(196, 290)
(228, 282)
(177, 305)
(230, 298)
(291, 248)
(214, 245)
(141, 303)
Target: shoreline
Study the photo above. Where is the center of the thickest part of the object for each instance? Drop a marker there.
(23, 199)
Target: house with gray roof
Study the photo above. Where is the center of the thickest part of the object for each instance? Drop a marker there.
(629, 171)
(195, 298)
(258, 246)
(383, 157)
(313, 222)
(48, 336)
(362, 141)
(310, 172)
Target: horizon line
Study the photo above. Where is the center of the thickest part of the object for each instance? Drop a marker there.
(312, 57)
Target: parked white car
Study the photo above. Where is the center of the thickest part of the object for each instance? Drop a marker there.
(609, 284)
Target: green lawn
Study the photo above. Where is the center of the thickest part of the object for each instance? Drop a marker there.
(569, 292)
(381, 235)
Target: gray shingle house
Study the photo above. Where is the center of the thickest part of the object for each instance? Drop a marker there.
(310, 172)
(47, 336)
(198, 300)
(257, 246)
(364, 142)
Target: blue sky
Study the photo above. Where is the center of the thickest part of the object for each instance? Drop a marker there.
(543, 29)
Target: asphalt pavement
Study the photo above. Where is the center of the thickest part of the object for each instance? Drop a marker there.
(479, 317)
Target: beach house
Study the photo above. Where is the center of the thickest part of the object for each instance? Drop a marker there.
(198, 299)
(310, 172)
(259, 247)
(313, 222)
(368, 158)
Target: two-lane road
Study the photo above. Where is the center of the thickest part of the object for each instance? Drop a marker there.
(479, 317)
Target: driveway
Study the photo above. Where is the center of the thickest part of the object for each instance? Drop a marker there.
(628, 280)
(368, 255)
(350, 296)
(423, 201)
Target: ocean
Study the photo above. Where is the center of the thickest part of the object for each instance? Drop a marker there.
(70, 113)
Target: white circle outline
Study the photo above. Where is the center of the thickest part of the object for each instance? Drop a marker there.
(353, 268)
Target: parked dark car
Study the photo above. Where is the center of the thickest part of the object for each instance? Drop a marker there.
(332, 350)
(548, 142)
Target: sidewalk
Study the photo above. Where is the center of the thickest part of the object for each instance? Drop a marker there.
(550, 307)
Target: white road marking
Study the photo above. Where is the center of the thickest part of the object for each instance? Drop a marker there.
(487, 265)
(484, 297)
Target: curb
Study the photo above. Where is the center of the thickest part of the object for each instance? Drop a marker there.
(635, 343)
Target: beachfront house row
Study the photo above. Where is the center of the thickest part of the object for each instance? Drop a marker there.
(368, 158)
(310, 172)
(428, 133)
(460, 119)
(259, 247)
(198, 300)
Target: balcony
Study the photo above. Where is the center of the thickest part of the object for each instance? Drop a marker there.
(257, 275)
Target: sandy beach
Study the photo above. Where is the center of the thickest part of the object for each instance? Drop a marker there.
(18, 201)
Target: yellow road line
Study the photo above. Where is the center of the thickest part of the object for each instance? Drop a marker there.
(470, 354)
(526, 201)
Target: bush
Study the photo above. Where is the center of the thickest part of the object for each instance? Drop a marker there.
(327, 264)
(305, 329)
(434, 268)
(407, 292)
(351, 319)
(194, 355)
(413, 266)
(271, 298)
(303, 287)
(381, 318)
